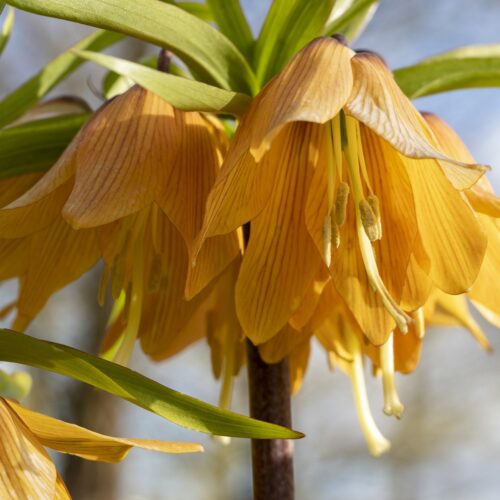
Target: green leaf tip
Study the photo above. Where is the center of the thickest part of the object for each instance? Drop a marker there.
(183, 410)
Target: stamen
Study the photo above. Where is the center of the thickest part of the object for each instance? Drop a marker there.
(377, 443)
(392, 404)
(369, 220)
(335, 234)
(135, 304)
(365, 246)
(418, 316)
(375, 206)
(341, 203)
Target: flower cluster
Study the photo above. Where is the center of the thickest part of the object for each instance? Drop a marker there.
(365, 220)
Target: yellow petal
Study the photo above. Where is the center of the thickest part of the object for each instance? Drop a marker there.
(451, 234)
(121, 158)
(484, 201)
(26, 470)
(379, 103)
(191, 175)
(306, 309)
(283, 343)
(454, 309)
(418, 285)
(391, 185)
(281, 259)
(27, 215)
(297, 365)
(58, 256)
(486, 289)
(166, 313)
(313, 87)
(14, 258)
(75, 440)
(351, 281)
(462, 177)
(407, 350)
(14, 187)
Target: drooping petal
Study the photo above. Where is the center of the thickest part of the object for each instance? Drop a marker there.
(306, 309)
(26, 470)
(165, 311)
(297, 365)
(379, 103)
(58, 256)
(14, 258)
(283, 343)
(121, 158)
(13, 187)
(486, 289)
(313, 87)
(75, 440)
(407, 350)
(281, 259)
(391, 185)
(191, 173)
(451, 235)
(351, 281)
(451, 144)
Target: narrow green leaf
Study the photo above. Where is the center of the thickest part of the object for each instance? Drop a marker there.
(2, 6)
(205, 50)
(35, 146)
(6, 29)
(30, 92)
(184, 94)
(139, 390)
(350, 21)
(229, 16)
(468, 67)
(289, 25)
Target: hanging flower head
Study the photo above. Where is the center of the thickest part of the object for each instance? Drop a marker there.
(334, 168)
(130, 188)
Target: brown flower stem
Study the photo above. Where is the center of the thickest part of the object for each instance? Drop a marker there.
(272, 459)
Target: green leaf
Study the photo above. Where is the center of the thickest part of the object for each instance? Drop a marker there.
(28, 94)
(2, 6)
(206, 51)
(229, 16)
(351, 20)
(139, 390)
(6, 29)
(35, 146)
(468, 67)
(184, 94)
(200, 10)
(289, 25)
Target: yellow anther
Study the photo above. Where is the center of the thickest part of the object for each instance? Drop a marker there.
(375, 206)
(335, 234)
(341, 203)
(369, 220)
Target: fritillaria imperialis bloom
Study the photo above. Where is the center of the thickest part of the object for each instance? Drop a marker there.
(337, 172)
(130, 188)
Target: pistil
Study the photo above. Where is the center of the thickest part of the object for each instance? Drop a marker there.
(392, 404)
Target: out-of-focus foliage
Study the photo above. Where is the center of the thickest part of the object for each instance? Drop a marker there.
(6, 29)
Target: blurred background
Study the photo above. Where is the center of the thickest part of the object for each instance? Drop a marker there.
(448, 443)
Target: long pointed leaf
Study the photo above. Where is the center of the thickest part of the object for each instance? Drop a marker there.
(35, 146)
(289, 25)
(6, 29)
(229, 16)
(28, 94)
(204, 49)
(352, 19)
(139, 390)
(182, 93)
(468, 67)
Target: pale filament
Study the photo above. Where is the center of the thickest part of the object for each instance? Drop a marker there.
(392, 404)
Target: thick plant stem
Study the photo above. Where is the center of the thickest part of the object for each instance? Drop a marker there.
(272, 459)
